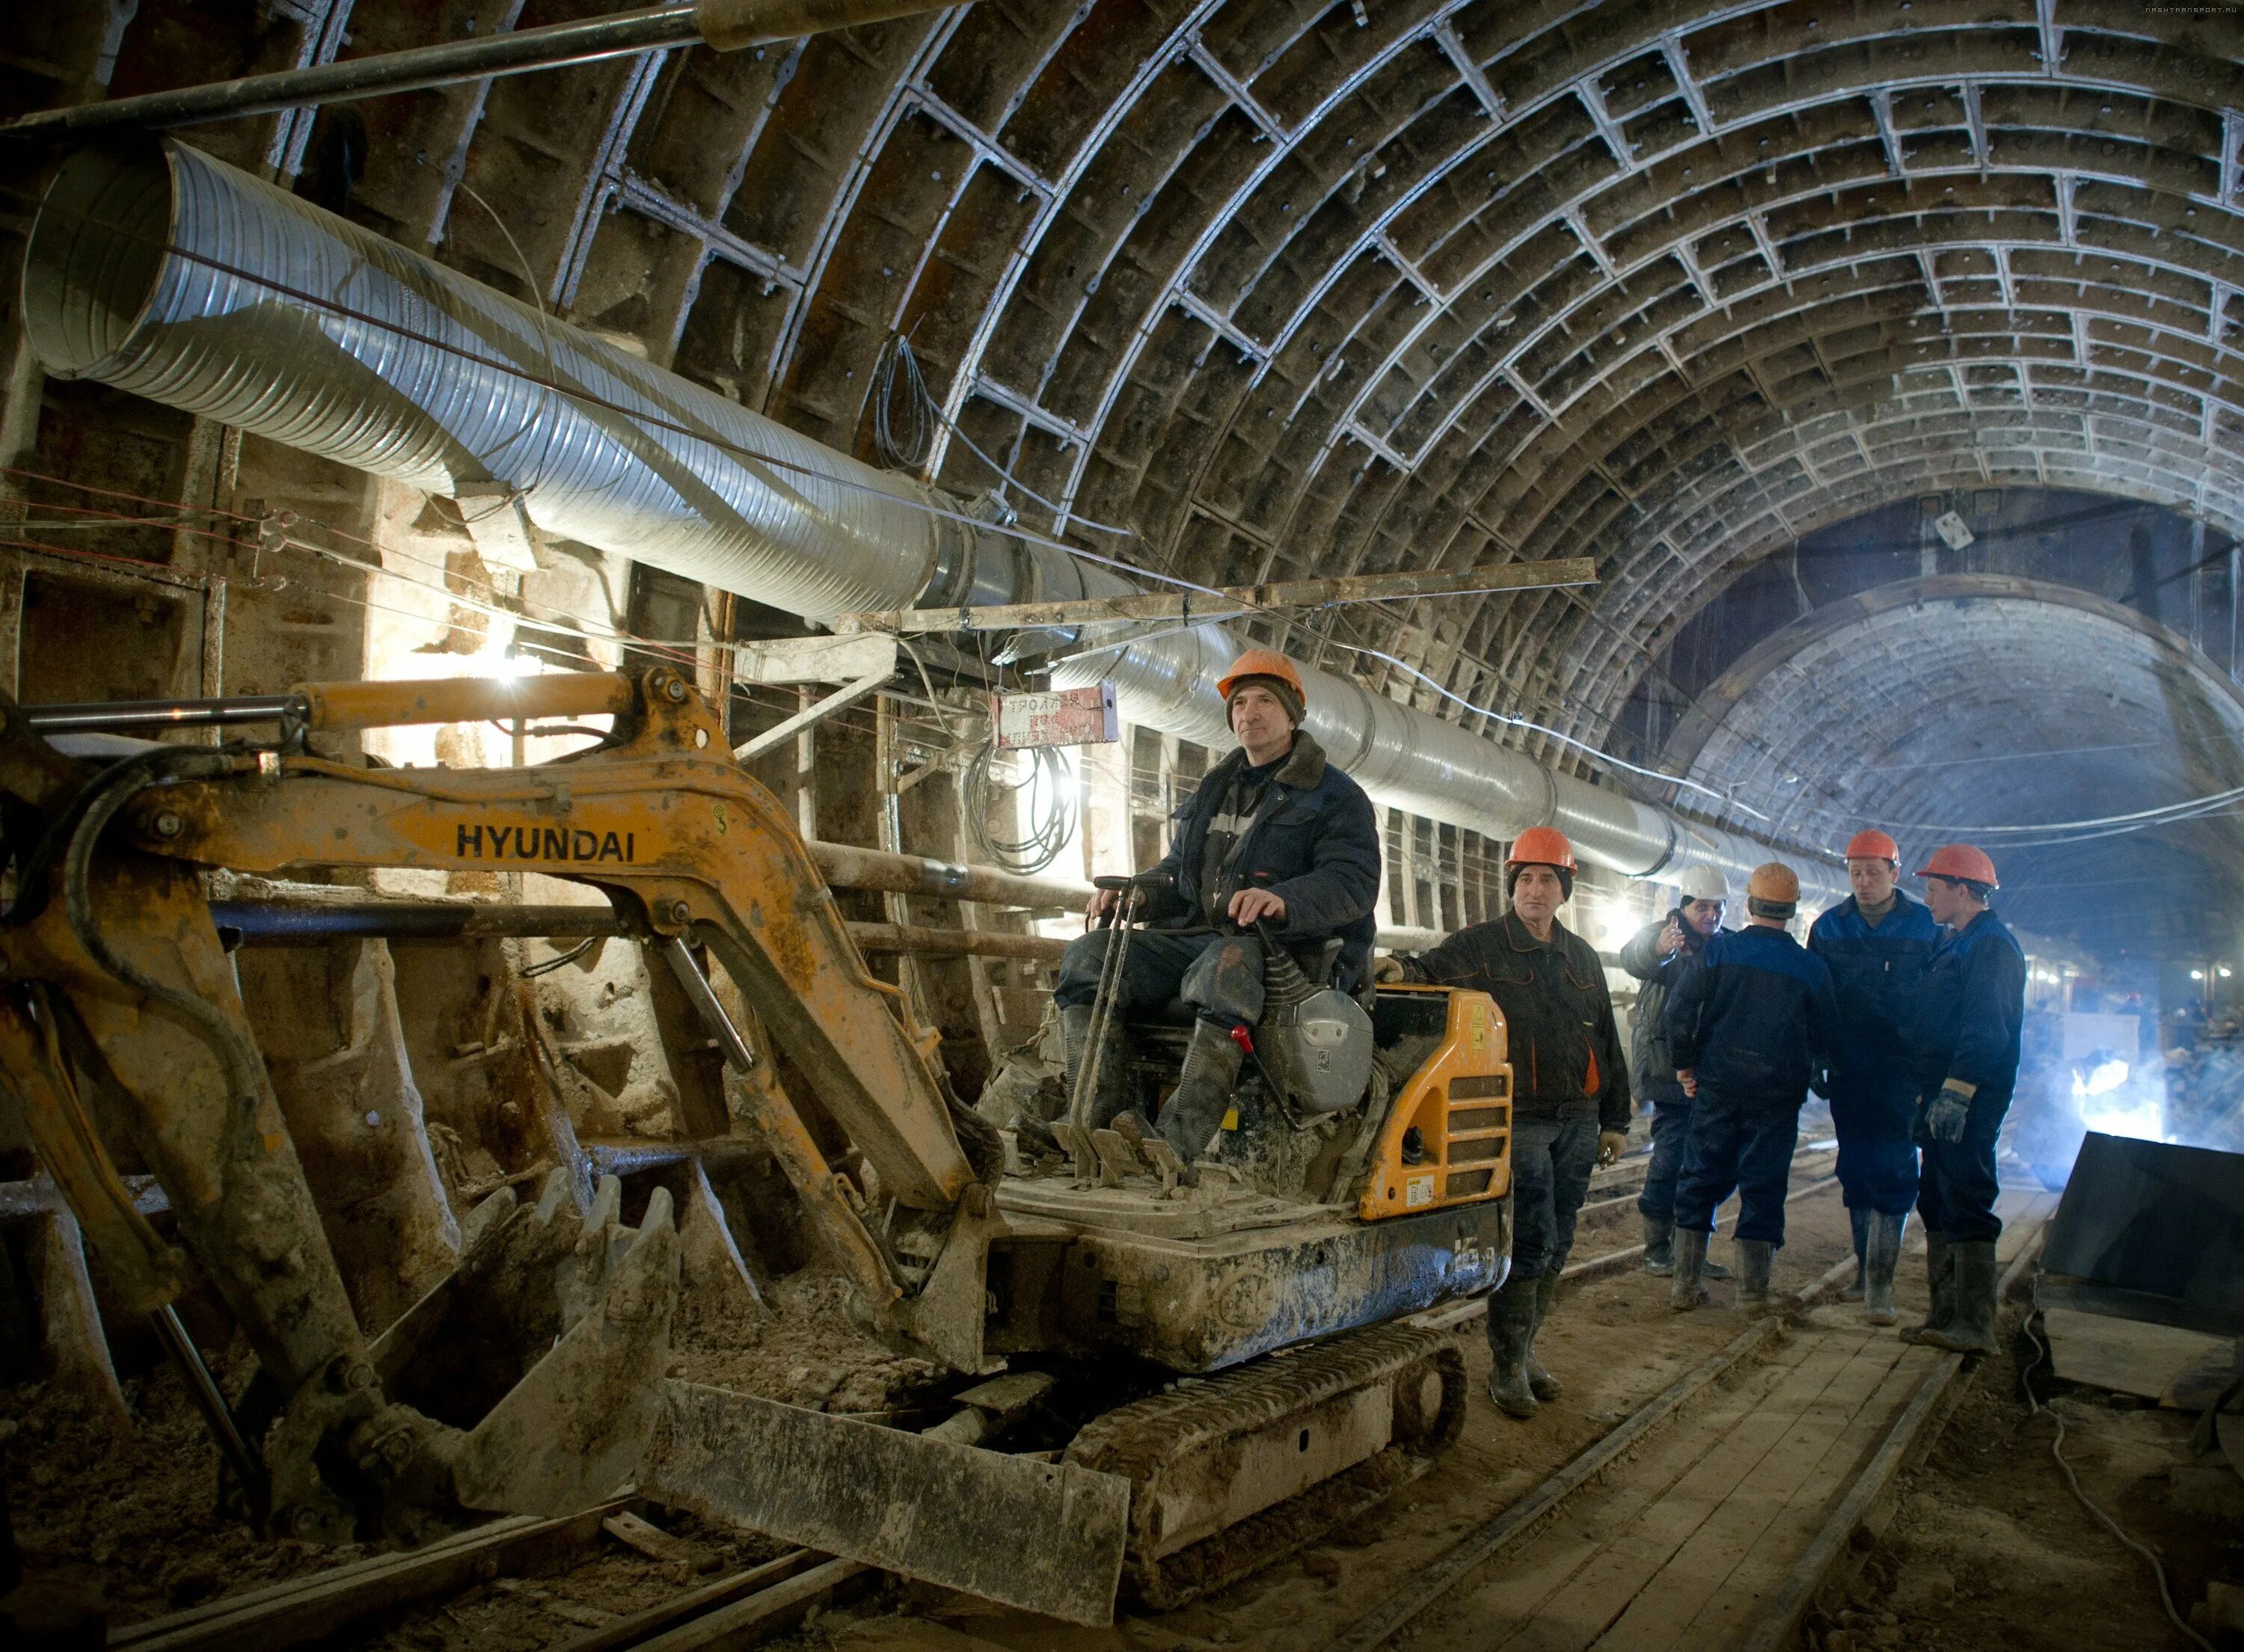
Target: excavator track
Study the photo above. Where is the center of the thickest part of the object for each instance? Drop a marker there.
(1233, 1471)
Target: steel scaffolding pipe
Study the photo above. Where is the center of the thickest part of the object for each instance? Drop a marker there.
(170, 274)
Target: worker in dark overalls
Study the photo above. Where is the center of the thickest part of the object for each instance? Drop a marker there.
(1876, 943)
(1970, 1022)
(1750, 1029)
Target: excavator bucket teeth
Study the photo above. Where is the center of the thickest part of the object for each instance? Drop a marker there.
(1046, 1537)
(571, 1431)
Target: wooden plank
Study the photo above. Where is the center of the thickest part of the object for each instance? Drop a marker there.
(2125, 1355)
(1575, 1616)
(1778, 1625)
(1508, 1599)
(1736, 1601)
(307, 1609)
(1827, 1442)
(1375, 1628)
(1544, 1590)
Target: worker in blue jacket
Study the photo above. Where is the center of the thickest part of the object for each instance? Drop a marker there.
(1749, 1029)
(1877, 944)
(1970, 1022)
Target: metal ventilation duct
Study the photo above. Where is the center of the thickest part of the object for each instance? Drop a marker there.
(161, 271)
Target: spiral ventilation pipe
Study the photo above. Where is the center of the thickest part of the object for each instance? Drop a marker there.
(155, 268)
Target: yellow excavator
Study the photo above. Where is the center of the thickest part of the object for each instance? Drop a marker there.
(1244, 1336)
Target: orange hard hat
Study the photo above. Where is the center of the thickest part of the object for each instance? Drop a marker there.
(1873, 845)
(1542, 846)
(1774, 882)
(1962, 863)
(1261, 662)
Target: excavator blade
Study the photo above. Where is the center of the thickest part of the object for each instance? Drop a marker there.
(1047, 1537)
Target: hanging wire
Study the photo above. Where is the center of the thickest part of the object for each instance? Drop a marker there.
(1050, 827)
(897, 371)
(546, 967)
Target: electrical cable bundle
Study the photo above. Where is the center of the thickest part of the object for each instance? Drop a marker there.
(1046, 836)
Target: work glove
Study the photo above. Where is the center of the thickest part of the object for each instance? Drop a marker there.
(1611, 1145)
(1387, 969)
(1947, 1113)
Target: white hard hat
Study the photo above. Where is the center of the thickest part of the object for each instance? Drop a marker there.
(1704, 883)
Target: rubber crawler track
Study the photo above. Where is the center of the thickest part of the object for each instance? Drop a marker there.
(1144, 1440)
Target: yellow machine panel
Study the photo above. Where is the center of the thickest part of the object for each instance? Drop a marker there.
(1458, 1103)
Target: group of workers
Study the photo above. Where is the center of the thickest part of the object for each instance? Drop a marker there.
(1905, 1015)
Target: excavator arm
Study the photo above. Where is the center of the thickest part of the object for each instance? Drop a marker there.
(110, 950)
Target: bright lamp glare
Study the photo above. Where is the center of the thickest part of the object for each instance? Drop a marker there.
(2197, 974)
(2225, 972)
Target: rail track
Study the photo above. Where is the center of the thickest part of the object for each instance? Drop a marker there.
(1761, 1612)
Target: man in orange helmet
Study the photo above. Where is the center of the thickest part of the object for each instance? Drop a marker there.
(1570, 1089)
(1877, 944)
(1275, 834)
(1969, 1019)
(1747, 1030)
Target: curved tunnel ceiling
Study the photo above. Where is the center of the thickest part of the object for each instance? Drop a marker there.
(1936, 706)
(1390, 283)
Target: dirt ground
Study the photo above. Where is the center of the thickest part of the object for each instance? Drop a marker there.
(1987, 1548)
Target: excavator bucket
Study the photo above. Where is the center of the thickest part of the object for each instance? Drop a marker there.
(1047, 1537)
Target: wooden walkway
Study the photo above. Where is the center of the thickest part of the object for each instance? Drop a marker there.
(1688, 1544)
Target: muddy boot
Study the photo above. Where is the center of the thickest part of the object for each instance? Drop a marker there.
(1753, 1258)
(1690, 1263)
(1540, 1382)
(1972, 1283)
(1882, 1238)
(1659, 1245)
(1203, 1091)
(1940, 1274)
(1860, 1221)
(1511, 1330)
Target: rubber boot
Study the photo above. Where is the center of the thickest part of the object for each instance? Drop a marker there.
(1753, 1258)
(1540, 1382)
(1883, 1239)
(1860, 1221)
(1511, 1330)
(1939, 1274)
(1687, 1292)
(1971, 1327)
(1203, 1091)
(1659, 1245)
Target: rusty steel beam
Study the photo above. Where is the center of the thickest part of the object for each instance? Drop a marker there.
(1236, 599)
(919, 941)
(727, 25)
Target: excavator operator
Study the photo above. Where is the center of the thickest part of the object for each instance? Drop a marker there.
(1275, 834)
